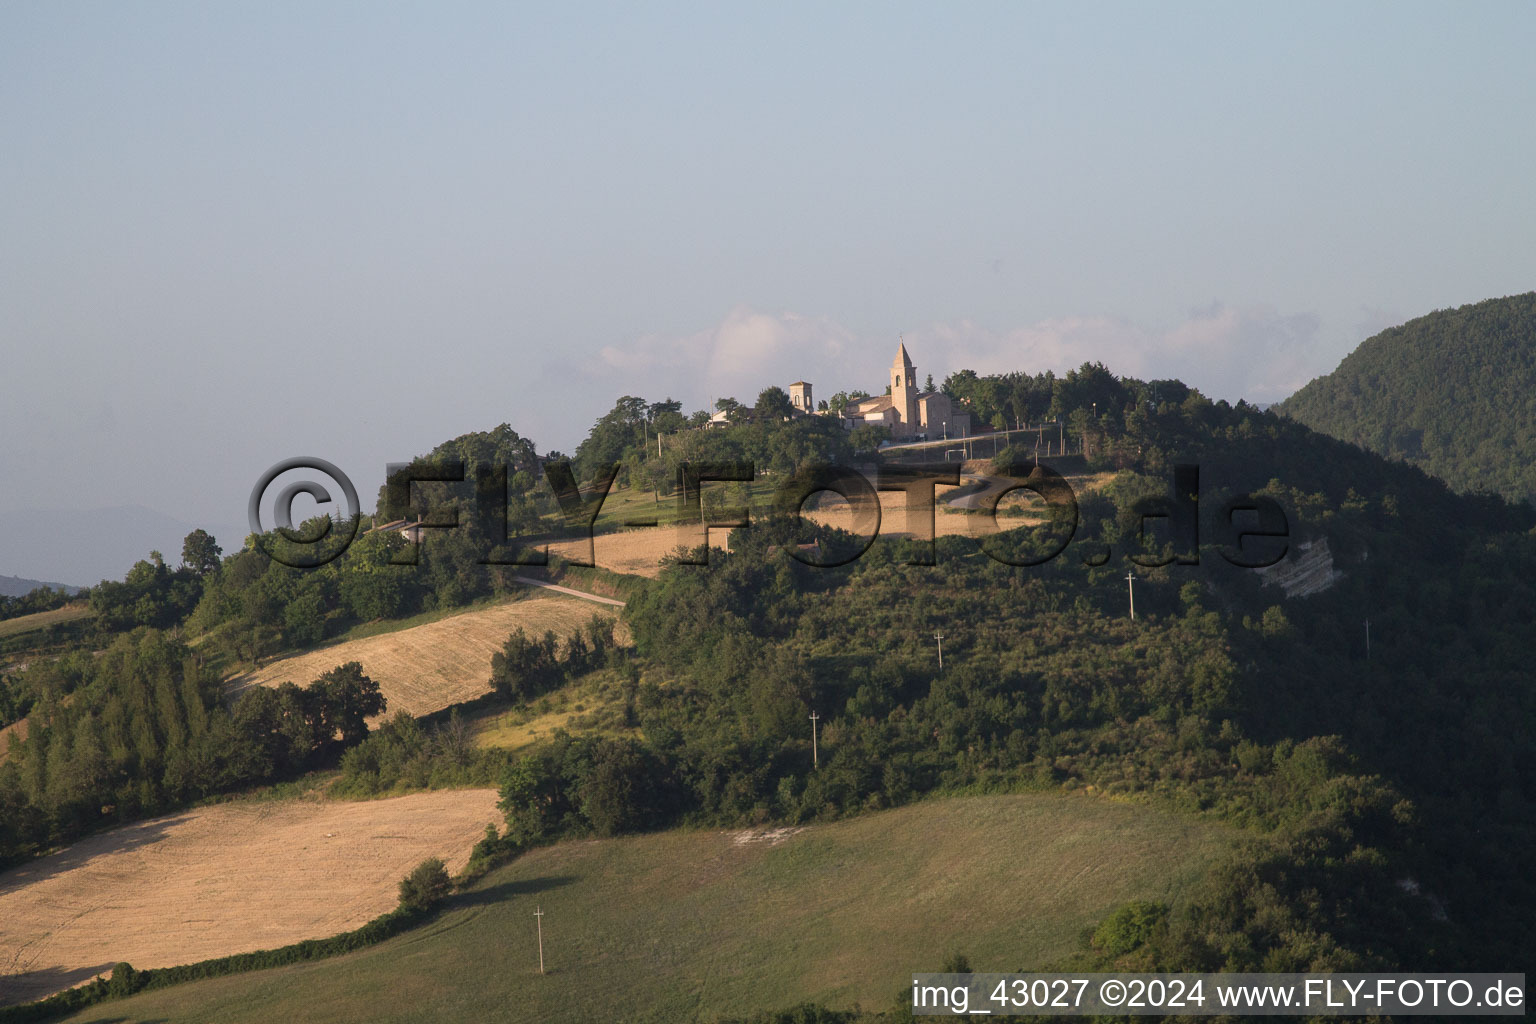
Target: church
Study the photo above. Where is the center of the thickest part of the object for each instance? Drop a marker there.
(907, 413)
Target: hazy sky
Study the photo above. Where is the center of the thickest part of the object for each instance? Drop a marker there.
(231, 234)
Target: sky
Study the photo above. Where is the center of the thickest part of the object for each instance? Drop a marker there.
(230, 234)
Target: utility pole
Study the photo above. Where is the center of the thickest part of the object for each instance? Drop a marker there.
(1367, 639)
(539, 916)
(815, 757)
(939, 638)
(1130, 582)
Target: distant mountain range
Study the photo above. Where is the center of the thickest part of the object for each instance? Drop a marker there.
(15, 586)
(1453, 392)
(85, 546)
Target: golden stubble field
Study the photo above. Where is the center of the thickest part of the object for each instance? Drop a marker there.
(635, 552)
(210, 882)
(429, 667)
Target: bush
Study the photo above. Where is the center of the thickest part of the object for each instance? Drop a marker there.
(125, 981)
(426, 886)
(487, 854)
(1129, 928)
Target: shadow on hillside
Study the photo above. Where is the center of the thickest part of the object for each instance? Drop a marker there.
(33, 985)
(508, 890)
(120, 839)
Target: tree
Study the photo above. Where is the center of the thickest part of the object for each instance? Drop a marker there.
(348, 698)
(618, 790)
(125, 981)
(1089, 385)
(525, 666)
(866, 437)
(734, 410)
(149, 595)
(667, 416)
(533, 798)
(426, 886)
(773, 404)
(621, 430)
(372, 587)
(200, 553)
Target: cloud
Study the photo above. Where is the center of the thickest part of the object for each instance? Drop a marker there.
(1254, 352)
(744, 353)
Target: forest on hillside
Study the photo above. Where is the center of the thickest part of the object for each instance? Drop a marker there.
(1453, 392)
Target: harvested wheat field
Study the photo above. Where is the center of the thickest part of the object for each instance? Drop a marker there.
(635, 552)
(429, 667)
(219, 880)
(894, 512)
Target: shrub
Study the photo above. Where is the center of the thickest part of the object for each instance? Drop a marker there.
(1129, 928)
(125, 981)
(426, 886)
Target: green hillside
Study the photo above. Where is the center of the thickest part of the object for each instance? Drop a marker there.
(1453, 392)
(692, 925)
(1374, 733)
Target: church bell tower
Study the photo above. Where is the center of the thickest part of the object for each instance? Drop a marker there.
(904, 391)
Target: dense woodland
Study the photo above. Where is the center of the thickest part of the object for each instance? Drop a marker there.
(1386, 794)
(144, 727)
(1453, 392)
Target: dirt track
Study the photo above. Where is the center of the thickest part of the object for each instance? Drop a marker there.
(427, 668)
(220, 880)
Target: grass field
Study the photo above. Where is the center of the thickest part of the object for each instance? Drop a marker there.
(591, 705)
(689, 926)
(625, 504)
(37, 620)
(217, 880)
(445, 661)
